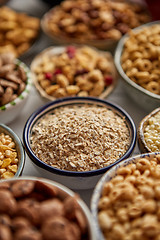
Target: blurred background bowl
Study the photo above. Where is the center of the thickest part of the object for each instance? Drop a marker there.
(153, 137)
(144, 98)
(97, 193)
(108, 42)
(75, 179)
(41, 190)
(57, 50)
(18, 145)
(10, 111)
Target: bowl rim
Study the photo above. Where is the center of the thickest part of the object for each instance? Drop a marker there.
(82, 204)
(19, 143)
(106, 178)
(117, 60)
(66, 101)
(56, 50)
(26, 91)
(143, 147)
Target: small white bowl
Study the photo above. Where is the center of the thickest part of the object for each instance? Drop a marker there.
(11, 110)
(61, 194)
(144, 98)
(106, 178)
(143, 146)
(19, 148)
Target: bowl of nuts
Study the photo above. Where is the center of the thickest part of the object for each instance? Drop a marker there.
(18, 31)
(76, 140)
(36, 208)
(95, 23)
(137, 61)
(73, 71)
(125, 202)
(12, 155)
(15, 86)
(149, 132)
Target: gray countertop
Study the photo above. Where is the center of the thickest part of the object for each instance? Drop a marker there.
(38, 8)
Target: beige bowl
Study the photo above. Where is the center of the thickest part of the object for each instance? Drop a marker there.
(51, 51)
(143, 146)
(38, 208)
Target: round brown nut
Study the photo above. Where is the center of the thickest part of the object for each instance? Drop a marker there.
(5, 233)
(58, 228)
(7, 202)
(51, 207)
(19, 223)
(22, 188)
(27, 234)
(5, 220)
(29, 209)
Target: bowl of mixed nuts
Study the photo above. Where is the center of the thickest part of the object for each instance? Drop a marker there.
(65, 71)
(125, 202)
(149, 132)
(96, 23)
(36, 208)
(12, 155)
(15, 86)
(76, 140)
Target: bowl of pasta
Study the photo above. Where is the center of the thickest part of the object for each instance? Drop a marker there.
(137, 61)
(125, 201)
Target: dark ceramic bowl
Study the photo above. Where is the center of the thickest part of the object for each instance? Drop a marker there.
(75, 179)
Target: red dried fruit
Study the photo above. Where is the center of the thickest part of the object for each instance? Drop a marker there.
(57, 71)
(48, 75)
(71, 50)
(108, 80)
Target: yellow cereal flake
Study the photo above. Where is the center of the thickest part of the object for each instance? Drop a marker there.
(7, 175)
(13, 168)
(6, 162)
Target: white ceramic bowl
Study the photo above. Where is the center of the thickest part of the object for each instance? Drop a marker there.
(11, 110)
(74, 179)
(56, 50)
(106, 178)
(19, 147)
(143, 146)
(62, 192)
(144, 98)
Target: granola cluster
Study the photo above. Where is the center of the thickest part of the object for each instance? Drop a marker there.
(80, 137)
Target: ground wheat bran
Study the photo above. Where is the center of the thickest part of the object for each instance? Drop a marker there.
(80, 138)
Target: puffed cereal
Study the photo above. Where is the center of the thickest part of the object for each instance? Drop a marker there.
(129, 204)
(140, 58)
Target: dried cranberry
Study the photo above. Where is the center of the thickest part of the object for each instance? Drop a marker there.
(48, 75)
(108, 80)
(57, 71)
(71, 50)
(81, 72)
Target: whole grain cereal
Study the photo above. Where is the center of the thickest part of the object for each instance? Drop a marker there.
(80, 137)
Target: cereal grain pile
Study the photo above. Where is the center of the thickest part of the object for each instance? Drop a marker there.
(80, 138)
